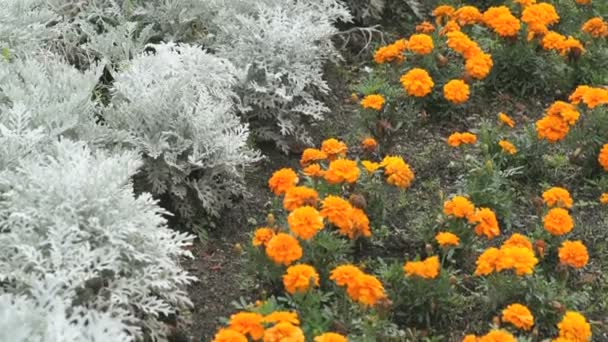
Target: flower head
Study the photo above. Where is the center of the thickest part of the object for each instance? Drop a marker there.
(447, 239)
(229, 335)
(518, 315)
(421, 44)
(459, 207)
(456, 91)
(305, 222)
(557, 197)
(373, 101)
(487, 261)
(366, 289)
(502, 21)
(370, 166)
(369, 144)
(538, 17)
(467, 15)
(558, 221)
(604, 198)
(313, 170)
(312, 155)
(594, 97)
(299, 278)
(507, 146)
(425, 27)
(342, 170)
(574, 254)
(284, 332)
(564, 111)
(457, 139)
(486, 221)
(345, 274)
(427, 268)
(417, 82)
(283, 249)
(299, 196)
(330, 337)
(397, 171)
(596, 27)
(519, 259)
(391, 53)
(517, 240)
(552, 128)
(282, 180)
(247, 323)
(506, 120)
(441, 12)
(461, 43)
(262, 236)
(479, 65)
(334, 148)
(574, 327)
(282, 316)
(498, 336)
(337, 211)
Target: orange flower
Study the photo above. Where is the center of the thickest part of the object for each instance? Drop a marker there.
(450, 26)
(518, 315)
(479, 66)
(487, 224)
(312, 155)
(456, 91)
(583, 2)
(298, 196)
(558, 221)
(282, 180)
(299, 278)
(262, 236)
(345, 274)
(572, 45)
(398, 172)
(604, 198)
(337, 211)
(417, 82)
(342, 170)
(360, 225)
(369, 144)
(574, 254)
(373, 101)
(577, 96)
(305, 222)
(498, 336)
(421, 44)
(283, 249)
(247, 323)
(331, 337)
(457, 139)
(459, 207)
(502, 21)
(334, 148)
(553, 41)
(538, 17)
(370, 166)
(517, 240)
(366, 289)
(391, 53)
(564, 111)
(557, 197)
(462, 44)
(229, 335)
(507, 147)
(425, 27)
(313, 170)
(467, 15)
(596, 27)
(284, 332)
(427, 268)
(487, 261)
(552, 128)
(519, 259)
(441, 12)
(505, 119)
(594, 97)
(282, 316)
(470, 338)
(447, 239)
(574, 327)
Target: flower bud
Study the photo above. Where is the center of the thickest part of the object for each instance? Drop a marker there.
(270, 220)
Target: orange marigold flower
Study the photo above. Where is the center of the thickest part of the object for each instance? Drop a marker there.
(247, 323)
(229, 335)
(519, 259)
(421, 44)
(369, 144)
(498, 336)
(486, 221)
(427, 268)
(334, 148)
(366, 289)
(467, 15)
(470, 338)
(487, 261)
(391, 53)
(282, 316)
(425, 27)
(299, 196)
(574, 254)
(313, 170)
(505, 119)
(572, 45)
(594, 97)
(417, 82)
(457, 139)
(557, 197)
(398, 172)
(262, 236)
(577, 96)
(565, 111)
(282, 180)
(574, 327)
(583, 2)
(604, 198)
(518, 315)
(337, 211)
(552, 128)
(342, 170)
(502, 21)
(360, 225)
(331, 337)
(596, 27)
(373, 101)
(507, 147)
(299, 278)
(305, 222)
(462, 44)
(447, 239)
(479, 66)
(538, 17)
(553, 41)
(443, 11)
(517, 240)
(456, 91)
(312, 155)
(450, 26)
(558, 221)
(459, 207)
(283, 332)
(370, 166)
(283, 249)
(345, 274)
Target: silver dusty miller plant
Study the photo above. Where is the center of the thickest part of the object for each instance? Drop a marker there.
(178, 106)
(82, 255)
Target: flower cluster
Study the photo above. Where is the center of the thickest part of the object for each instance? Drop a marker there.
(391, 53)
(520, 259)
(360, 287)
(427, 268)
(464, 138)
